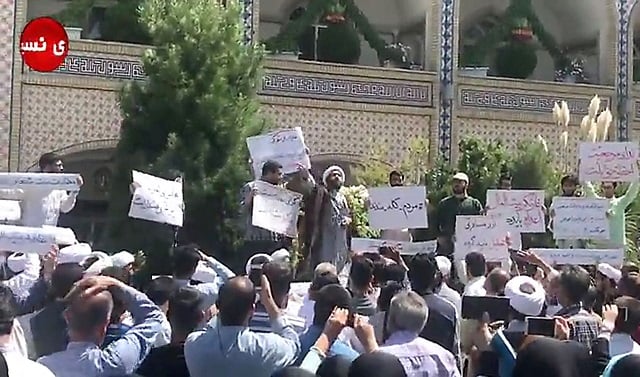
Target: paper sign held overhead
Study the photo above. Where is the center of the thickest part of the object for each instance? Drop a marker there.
(521, 210)
(371, 245)
(398, 207)
(276, 209)
(614, 257)
(481, 234)
(10, 210)
(44, 181)
(580, 218)
(22, 239)
(285, 146)
(609, 162)
(156, 199)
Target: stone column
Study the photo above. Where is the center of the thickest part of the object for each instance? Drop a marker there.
(608, 51)
(7, 25)
(432, 36)
(448, 36)
(624, 66)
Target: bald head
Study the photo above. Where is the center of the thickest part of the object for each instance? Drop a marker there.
(496, 281)
(88, 317)
(236, 301)
(325, 267)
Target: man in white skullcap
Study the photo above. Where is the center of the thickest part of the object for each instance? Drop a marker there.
(331, 219)
(123, 259)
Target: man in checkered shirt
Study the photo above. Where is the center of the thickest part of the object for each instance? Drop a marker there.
(574, 284)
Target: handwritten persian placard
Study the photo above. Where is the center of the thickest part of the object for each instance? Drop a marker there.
(156, 199)
(481, 234)
(580, 218)
(614, 257)
(10, 210)
(609, 162)
(63, 236)
(371, 245)
(44, 181)
(398, 207)
(285, 146)
(522, 210)
(276, 209)
(22, 239)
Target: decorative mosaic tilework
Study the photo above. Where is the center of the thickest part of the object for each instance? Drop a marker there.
(350, 132)
(636, 110)
(446, 71)
(103, 67)
(7, 9)
(88, 115)
(522, 102)
(278, 84)
(247, 20)
(624, 11)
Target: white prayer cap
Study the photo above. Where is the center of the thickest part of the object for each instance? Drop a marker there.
(331, 169)
(266, 257)
(122, 259)
(526, 295)
(325, 267)
(281, 255)
(444, 265)
(204, 273)
(96, 267)
(17, 262)
(64, 236)
(461, 177)
(74, 254)
(610, 272)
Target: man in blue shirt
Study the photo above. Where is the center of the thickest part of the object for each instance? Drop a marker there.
(328, 298)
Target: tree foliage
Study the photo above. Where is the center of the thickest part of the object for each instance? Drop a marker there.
(482, 161)
(191, 119)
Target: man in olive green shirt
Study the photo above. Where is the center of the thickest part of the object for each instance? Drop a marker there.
(460, 203)
(617, 207)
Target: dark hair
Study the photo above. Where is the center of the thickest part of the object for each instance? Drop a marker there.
(397, 173)
(63, 278)
(8, 310)
(387, 292)
(476, 264)
(361, 272)
(505, 176)
(632, 322)
(393, 272)
(185, 260)
(280, 275)
(422, 272)
(185, 309)
(161, 289)
(575, 282)
(590, 299)
(235, 300)
(629, 285)
(271, 166)
(629, 267)
(118, 273)
(87, 314)
(378, 271)
(322, 280)
(292, 372)
(328, 298)
(570, 179)
(496, 281)
(334, 366)
(48, 159)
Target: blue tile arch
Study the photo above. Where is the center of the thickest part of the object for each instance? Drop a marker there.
(445, 115)
(624, 11)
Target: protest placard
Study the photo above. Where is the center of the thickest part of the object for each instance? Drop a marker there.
(614, 257)
(580, 218)
(521, 210)
(156, 199)
(371, 245)
(276, 209)
(398, 207)
(481, 234)
(608, 162)
(42, 181)
(10, 210)
(285, 146)
(22, 239)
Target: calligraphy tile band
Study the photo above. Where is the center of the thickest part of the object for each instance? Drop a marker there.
(521, 102)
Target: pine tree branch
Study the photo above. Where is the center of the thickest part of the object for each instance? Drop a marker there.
(368, 32)
(287, 37)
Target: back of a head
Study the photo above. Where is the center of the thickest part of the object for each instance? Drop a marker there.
(184, 260)
(422, 272)
(8, 310)
(629, 285)
(236, 300)
(63, 278)
(632, 322)
(590, 299)
(574, 282)
(280, 275)
(387, 291)
(270, 166)
(325, 267)
(328, 298)
(361, 273)
(497, 279)
(322, 280)
(293, 372)
(161, 289)
(185, 309)
(48, 159)
(85, 315)
(377, 364)
(550, 357)
(624, 366)
(476, 264)
(407, 312)
(334, 366)
(118, 273)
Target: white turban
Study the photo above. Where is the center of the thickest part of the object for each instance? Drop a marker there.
(525, 295)
(331, 169)
(122, 259)
(610, 272)
(74, 253)
(96, 267)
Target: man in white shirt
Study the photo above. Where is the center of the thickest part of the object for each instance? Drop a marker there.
(17, 364)
(43, 206)
(617, 328)
(476, 268)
